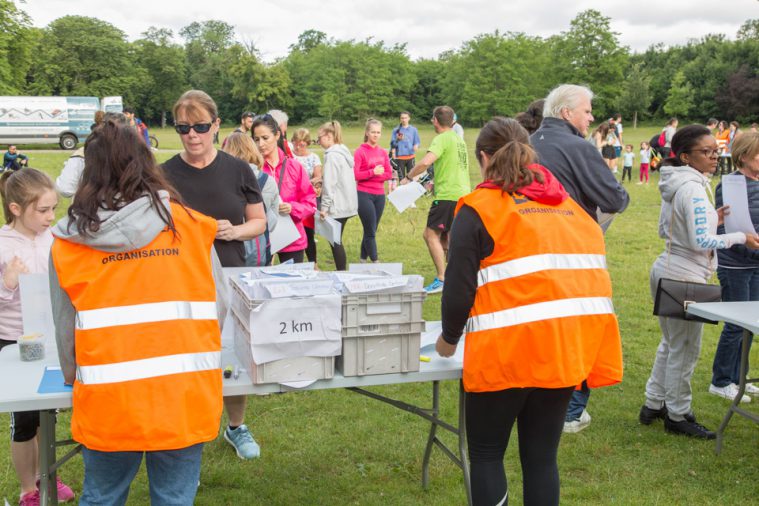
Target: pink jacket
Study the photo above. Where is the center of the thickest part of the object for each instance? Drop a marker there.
(364, 160)
(35, 254)
(297, 191)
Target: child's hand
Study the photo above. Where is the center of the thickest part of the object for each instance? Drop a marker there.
(13, 269)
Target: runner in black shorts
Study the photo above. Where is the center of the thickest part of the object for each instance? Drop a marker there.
(440, 216)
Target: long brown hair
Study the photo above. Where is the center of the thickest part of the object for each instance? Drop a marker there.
(507, 144)
(119, 168)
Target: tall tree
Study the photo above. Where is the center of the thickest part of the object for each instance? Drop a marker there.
(83, 56)
(259, 86)
(209, 53)
(590, 53)
(165, 72)
(16, 41)
(680, 97)
(495, 74)
(636, 94)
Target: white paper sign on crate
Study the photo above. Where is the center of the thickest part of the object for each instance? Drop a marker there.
(296, 327)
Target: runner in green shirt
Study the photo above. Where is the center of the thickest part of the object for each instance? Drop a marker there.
(449, 153)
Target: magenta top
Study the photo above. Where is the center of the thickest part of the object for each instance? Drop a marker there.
(364, 160)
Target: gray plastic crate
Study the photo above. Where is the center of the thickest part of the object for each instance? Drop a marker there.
(382, 308)
(380, 354)
(383, 329)
(279, 371)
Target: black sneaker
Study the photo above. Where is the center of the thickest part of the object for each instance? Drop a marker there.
(688, 428)
(648, 416)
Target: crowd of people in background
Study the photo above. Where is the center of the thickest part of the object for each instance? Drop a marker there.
(498, 270)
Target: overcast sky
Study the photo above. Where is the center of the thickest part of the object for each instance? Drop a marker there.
(427, 26)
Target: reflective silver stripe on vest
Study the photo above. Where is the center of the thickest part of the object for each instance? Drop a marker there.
(148, 368)
(540, 311)
(145, 313)
(536, 263)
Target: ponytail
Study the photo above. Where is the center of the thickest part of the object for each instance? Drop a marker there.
(509, 167)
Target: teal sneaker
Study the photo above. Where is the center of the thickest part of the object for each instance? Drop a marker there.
(242, 441)
(435, 287)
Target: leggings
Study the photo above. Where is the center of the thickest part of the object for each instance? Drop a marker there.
(311, 247)
(296, 256)
(628, 171)
(539, 413)
(370, 208)
(644, 172)
(338, 250)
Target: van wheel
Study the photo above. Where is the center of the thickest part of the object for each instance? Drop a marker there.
(68, 141)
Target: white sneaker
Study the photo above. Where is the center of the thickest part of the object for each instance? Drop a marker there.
(577, 425)
(752, 389)
(728, 392)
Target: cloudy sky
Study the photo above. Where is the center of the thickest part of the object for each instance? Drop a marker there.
(427, 26)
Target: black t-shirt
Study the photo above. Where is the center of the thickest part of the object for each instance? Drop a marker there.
(221, 190)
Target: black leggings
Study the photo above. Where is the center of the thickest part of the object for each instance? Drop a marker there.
(311, 247)
(539, 414)
(296, 256)
(370, 208)
(338, 250)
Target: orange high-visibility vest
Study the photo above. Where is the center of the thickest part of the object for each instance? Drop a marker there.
(543, 314)
(147, 338)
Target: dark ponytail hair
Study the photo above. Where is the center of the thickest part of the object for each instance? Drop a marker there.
(269, 122)
(507, 144)
(684, 141)
(119, 168)
(532, 117)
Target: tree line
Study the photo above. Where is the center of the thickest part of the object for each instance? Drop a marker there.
(323, 78)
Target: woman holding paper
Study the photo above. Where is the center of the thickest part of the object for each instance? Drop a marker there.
(688, 224)
(371, 166)
(738, 272)
(537, 311)
(339, 199)
(295, 190)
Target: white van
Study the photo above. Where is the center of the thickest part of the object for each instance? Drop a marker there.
(45, 120)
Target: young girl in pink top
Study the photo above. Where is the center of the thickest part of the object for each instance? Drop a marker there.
(29, 202)
(371, 165)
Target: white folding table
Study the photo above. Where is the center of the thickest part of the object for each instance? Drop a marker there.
(26, 376)
(746, 316)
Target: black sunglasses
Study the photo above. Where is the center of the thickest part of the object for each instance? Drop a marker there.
(200, 128)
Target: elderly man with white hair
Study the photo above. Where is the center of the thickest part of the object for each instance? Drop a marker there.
(561, 147)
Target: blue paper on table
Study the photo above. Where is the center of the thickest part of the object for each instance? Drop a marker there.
(52, 382)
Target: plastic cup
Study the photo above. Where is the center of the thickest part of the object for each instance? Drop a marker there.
(31, 347)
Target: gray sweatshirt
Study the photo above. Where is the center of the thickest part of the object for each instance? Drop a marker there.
(270, 195)
(132, 227)
(692, 236)
(339, 197)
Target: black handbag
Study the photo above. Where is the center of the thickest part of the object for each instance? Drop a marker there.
(673, 297)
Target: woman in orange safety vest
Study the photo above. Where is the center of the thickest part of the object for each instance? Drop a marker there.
(527, 281)
(134, 280)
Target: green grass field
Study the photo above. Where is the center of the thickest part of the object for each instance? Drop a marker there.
(335, 447)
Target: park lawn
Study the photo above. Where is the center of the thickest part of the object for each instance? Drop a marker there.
(335, 447)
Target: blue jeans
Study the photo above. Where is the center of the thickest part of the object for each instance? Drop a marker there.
(737, 285)
(173, 476)
(578, 403)
(370, 208)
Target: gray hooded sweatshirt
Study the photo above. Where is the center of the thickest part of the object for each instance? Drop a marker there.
(132, 227)
(692, 236)
(339, 197)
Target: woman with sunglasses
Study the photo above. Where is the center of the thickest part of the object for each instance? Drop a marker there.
(688, 224)
(298, 198)
(223, 187)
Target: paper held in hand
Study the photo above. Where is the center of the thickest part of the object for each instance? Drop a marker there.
(734, 194)
(405, 195)
(284, 234)
(329, 228)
